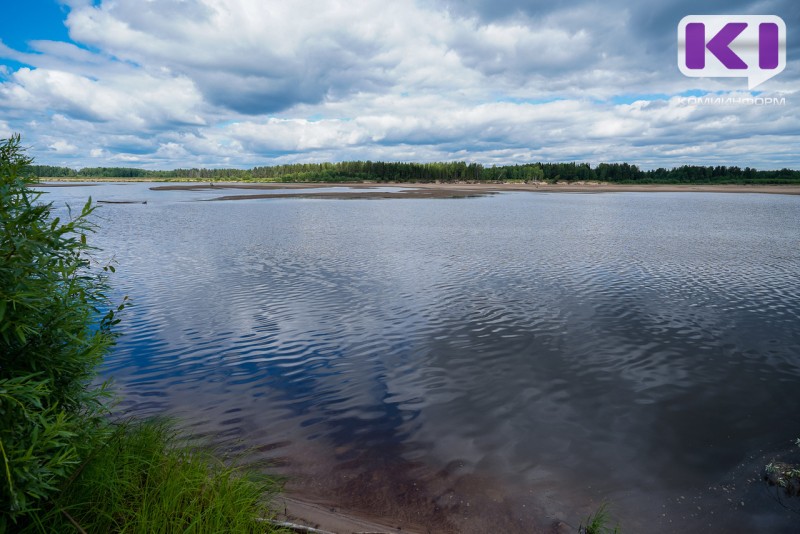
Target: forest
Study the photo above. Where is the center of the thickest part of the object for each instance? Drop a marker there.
(379, 171)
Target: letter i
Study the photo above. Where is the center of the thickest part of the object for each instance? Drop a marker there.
(768, 45)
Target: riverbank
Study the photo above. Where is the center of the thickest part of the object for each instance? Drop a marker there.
(435, 190)
(330, 519)
(462, 190)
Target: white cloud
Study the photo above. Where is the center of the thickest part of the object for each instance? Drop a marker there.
(556, 130)
(171, 151)
(169, 83)
(63, 147)
(518, 51)
(250, 56)
(133, 102)
(254, 57)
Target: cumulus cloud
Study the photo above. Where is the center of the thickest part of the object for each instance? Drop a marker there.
(63, 147)
(645, 131)
(170, 83)
(138, 102)
(250, 57)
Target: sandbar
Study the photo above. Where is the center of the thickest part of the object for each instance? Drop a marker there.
(460, 190)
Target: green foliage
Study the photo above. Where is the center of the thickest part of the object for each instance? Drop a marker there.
(140, 481)
(63, 467)
(54, 330)
(457, 171)
(51, 171)
(597, 523)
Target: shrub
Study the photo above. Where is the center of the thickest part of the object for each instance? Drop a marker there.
(55, 327)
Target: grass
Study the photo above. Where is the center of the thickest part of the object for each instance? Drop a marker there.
(142, 481)
(598, 523)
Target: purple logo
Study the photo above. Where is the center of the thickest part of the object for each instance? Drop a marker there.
(751, 46)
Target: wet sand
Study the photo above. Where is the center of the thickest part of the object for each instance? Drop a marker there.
(328, 518)
(332, 488)
(372, 191)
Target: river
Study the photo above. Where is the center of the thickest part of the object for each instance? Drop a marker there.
(492, 364)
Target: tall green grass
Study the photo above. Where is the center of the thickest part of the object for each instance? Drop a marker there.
(143, 480)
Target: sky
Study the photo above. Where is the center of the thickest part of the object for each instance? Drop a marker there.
(163, 84)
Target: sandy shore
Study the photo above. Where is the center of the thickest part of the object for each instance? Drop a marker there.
(361, 190)
(329, 519)
(644, 188)
(448, 190)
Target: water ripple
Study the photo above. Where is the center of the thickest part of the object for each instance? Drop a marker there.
(612, 344)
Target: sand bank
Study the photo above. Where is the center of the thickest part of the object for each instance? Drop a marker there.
(328, 518)
(374, 191)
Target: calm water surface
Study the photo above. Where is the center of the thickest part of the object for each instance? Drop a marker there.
(491, 364)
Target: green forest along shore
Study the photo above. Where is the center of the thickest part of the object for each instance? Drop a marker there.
(451, 172)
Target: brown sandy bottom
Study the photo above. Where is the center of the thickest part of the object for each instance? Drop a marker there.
(465, 190)
(395, 488)
(357, 487)
(375, 493)
(354, 488)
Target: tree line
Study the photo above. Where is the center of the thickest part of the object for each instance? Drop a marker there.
(380, 171)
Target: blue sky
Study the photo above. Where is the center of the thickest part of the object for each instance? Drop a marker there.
(32, 19)
(187, 83)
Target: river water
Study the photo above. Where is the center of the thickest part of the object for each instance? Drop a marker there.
(493, 364)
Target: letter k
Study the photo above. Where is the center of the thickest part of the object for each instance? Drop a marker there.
(719, 45)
